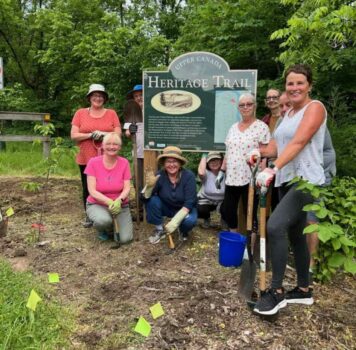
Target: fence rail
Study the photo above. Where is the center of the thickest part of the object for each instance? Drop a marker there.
(27, 116)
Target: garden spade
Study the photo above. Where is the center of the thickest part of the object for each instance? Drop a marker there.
(248, 267)
(262, 280)
(116, 233)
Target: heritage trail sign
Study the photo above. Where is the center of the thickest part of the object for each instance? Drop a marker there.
(194, 103)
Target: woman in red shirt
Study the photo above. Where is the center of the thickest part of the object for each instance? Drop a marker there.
(89, 126)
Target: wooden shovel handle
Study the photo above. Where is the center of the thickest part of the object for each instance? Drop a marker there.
(116, 225)
(263, 248)
(251, 191)
(171, 244)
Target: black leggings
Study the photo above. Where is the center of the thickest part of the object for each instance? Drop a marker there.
(231, 200)
(204, 210)
(84, 185)
(288, 220)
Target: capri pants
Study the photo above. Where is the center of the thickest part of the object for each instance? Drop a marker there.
(288, 220)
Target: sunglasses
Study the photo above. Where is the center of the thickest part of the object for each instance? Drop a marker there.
(246, 105)
(272, 98)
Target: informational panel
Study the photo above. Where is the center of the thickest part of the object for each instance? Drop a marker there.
(194, 103)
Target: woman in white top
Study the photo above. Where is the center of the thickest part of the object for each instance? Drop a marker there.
(241, 139)
(298, 146)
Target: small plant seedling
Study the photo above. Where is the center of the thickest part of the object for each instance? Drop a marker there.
(31, 186)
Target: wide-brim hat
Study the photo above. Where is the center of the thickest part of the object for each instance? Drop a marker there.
(171, 152)
(129, 95)
(213, 155)
(97, 88)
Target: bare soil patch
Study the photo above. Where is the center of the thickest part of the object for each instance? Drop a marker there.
(109, 289)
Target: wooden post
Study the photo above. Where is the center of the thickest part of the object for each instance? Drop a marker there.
(46, 148)
(149, 163)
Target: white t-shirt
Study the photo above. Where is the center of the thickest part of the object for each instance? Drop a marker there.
(308, 164)
(238, 146)
(209, 190)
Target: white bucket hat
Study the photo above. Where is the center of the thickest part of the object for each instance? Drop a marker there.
(97, 88)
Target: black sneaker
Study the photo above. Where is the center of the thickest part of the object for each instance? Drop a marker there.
(183, 236)
(270, 302)
(206, 223)
(297, 296)
(157, 236)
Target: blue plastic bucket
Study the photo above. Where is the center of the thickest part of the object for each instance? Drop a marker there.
(231, 248)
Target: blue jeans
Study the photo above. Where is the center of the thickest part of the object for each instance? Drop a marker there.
(156, 210)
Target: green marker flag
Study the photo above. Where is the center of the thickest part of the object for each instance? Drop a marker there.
(156, 310)
(53, 278)
(33, 300)
(143, 327)
(10, 212)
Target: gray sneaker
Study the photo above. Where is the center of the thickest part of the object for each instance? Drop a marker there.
(157, 236)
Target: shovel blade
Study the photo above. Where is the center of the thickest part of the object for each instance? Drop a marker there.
(247, 278)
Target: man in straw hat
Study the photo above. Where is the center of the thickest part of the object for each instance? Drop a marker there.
(171, 193)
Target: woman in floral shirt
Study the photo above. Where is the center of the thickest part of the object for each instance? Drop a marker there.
(241, 139)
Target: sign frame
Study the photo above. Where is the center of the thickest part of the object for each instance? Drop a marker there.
(189, 105)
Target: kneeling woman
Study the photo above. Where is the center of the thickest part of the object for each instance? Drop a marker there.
(109, 187)
(171, 193)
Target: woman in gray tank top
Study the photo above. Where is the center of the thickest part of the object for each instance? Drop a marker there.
(298, 146)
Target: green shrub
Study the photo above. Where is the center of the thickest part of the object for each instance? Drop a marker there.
(336, 229)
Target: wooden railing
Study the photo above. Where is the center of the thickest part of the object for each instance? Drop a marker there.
(26, 116)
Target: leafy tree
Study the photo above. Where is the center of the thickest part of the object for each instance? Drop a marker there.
(238, 31)
(319, 31)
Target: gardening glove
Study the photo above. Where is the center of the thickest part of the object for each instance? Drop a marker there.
(176, 220)
(252, 157)
(114, 206)
(150, 180)
(219, 179)
(265, 177)
(97, 135)
(133, 129)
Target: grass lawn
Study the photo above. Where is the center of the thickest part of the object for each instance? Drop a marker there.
(25, 158)
(20, 328)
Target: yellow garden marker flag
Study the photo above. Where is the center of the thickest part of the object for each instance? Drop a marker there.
(33, 300)
(53, 277)
(156, 310)
(143, 327)
(10, 212)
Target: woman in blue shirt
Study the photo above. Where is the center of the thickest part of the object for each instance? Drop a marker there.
(171, 193)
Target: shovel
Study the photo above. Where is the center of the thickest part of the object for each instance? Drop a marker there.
(117, 244)
(262, 282)
(248, 267)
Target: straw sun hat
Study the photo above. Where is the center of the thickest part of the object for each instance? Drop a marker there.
(171, 152)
